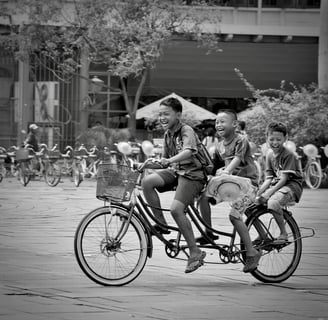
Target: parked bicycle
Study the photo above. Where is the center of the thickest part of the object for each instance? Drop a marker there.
(112, 243)
(309, 165)
(3, 157)
(53, 168)
(66, 162)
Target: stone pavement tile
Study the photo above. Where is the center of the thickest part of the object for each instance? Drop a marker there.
(38, 268)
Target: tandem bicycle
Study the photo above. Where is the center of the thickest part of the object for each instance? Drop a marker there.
(112, 243)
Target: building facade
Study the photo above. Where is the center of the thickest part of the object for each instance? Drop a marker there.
(267, 40)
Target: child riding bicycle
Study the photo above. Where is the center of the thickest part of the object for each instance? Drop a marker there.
(283, 183)
(235, 150)
(185, 173)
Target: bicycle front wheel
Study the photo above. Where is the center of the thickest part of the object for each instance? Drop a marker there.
(77, 174)
(278, 262)
(102, 255)
(53, 174)
(313, 175)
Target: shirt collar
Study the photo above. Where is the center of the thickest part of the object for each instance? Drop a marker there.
(175, 129)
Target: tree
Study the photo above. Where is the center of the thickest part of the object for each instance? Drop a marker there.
(128, 36)
(303, 109)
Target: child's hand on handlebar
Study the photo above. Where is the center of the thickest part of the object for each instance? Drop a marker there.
(165, 162)
(150, 163)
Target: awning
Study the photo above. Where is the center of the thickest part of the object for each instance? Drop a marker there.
(151, 110)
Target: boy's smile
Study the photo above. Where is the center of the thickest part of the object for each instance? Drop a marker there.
(168, 117)
(276, 141)
(225, 125)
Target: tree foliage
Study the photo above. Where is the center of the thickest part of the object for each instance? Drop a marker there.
(302, 108)
(126, 35)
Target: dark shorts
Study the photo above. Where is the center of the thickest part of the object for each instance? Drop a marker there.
(186, 190)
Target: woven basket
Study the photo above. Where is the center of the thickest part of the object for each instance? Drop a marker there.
(115, 182)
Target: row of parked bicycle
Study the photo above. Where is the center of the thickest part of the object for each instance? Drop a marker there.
(80, 163)
(51, 165)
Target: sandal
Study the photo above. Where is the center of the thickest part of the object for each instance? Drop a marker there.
(281, 240)
(252, 262)
(259, 241)
(195, 262)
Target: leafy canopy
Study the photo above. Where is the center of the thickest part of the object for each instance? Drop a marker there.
(126, 35)
(303, 109)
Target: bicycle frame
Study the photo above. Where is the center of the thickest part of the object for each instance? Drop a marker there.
(142, 210)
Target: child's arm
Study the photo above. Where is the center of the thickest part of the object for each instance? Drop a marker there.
(181, 156)
(265, 185)
(235, 162)
(282, 181)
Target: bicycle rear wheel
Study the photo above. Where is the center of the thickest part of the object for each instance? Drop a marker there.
(103, 258)
(77, 174)
(313, 175)
(278, 262)
(53, 174)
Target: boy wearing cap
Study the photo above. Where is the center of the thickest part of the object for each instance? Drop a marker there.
(235, 150)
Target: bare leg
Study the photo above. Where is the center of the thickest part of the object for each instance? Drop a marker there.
(242, 230)
(149, 184)
(275, 208)
(281, 224)
(205, 210)
(177, 211)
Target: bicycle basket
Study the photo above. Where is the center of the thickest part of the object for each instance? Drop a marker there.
(115, 182)
(22, 155)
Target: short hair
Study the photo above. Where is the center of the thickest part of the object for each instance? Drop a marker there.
(230, 112)
(173, 103)
(276, 126)
(242, 124)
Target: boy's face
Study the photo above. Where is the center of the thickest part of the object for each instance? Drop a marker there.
(225, 125)
(168, 117)
(276, 140)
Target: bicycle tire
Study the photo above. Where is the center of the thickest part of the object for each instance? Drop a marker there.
(77, 175)
(313, 175)
(52, 174)
(278, 262)
(100, 257)
(23, 174)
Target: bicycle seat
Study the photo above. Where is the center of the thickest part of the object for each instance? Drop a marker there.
(39, 154)
(65, 155)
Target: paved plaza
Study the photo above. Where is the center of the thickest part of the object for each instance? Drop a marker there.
(40, 279)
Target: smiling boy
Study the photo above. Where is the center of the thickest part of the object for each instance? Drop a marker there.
(283, 183)
(185, 173)
(235, 150)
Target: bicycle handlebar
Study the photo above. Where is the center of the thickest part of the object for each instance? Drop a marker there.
(150, 163)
